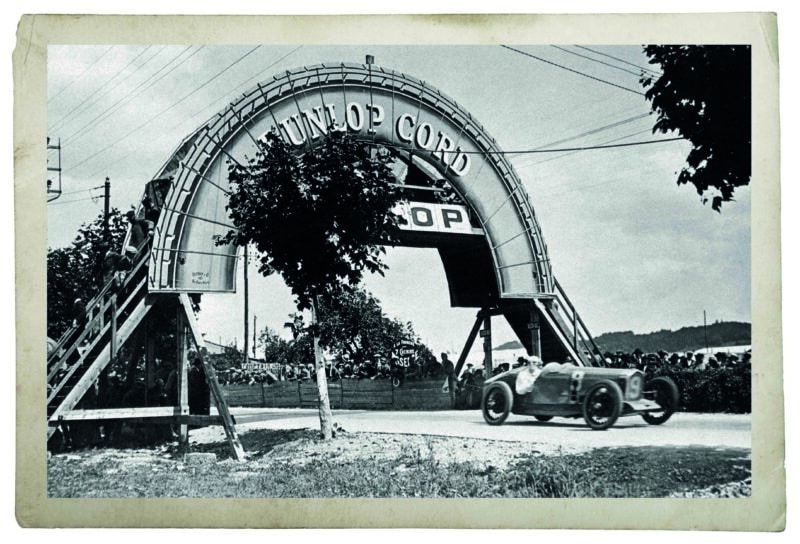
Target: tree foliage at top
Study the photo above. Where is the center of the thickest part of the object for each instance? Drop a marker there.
(75, 271)
(704, 95)
(317, 219)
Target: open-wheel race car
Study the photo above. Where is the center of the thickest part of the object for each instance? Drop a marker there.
(599, 395)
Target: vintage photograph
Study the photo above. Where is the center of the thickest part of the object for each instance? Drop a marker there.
(396, 271)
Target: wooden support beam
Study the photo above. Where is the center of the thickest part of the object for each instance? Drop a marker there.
(113, 326)
(559, 333)
(90, 374)
(152, 414)
(486, 333)
(213, 384)
(183, 382)
(468, 344)
(536, 333)
(149, 356)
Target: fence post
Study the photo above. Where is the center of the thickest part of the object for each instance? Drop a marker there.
(263, 396)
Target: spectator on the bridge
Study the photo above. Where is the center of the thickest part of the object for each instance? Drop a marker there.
(79, 311)
(149, 215)
(137, 233)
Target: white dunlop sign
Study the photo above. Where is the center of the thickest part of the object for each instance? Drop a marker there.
(424, 216)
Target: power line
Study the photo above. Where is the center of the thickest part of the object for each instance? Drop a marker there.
(209, 105)
(191, 118)
(584, 74)
(65, 87)
(101, 115)
(595, 51)
(56, 202)
(162, 112)
(637, 74)
(134, 93)
(522, 164)
(565, 149)
(60, 121)
(591, 132)
(596, 130)
(82, 190)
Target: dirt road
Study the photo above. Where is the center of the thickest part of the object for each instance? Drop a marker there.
(565, 435)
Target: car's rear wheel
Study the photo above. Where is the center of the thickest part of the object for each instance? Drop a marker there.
(664, 392)
(497, 402)
(602, 405)
(543, 418)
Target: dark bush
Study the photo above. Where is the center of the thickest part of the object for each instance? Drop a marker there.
(711, 390)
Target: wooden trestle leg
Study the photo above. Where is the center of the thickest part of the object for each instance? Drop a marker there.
(222, 405)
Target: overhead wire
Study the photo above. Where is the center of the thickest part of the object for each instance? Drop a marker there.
(60, 122)
(217, 100)
(73, 80)
(596, 60)
(518, 165)
(165, 110)
(595, 51)
(561, 66)
(193, 117)
(82, 190)
(149, 82)
(583, 148)
(54, 202)
(102, 114)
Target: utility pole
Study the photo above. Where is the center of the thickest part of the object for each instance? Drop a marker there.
(246, 310)
(255, 320)
(106, 200)
(705, 330)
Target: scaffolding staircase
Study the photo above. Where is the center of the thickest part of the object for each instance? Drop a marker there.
(86, 349)
(568, 327)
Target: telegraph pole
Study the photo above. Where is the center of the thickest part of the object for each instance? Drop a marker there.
(255, 320)
(106, 200)
(246, 335)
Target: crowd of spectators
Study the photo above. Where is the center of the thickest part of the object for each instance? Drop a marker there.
(679, 360)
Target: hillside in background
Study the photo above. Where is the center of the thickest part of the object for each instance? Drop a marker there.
(685, 339)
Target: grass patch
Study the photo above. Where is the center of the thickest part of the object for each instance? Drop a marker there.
(291, 464)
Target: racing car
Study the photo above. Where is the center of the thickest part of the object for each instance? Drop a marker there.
(599, 395)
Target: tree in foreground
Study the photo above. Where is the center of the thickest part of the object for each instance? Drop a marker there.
(704, 94)
(75, 271)
(319, 220)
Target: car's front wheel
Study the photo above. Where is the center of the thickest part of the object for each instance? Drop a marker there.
(497, 401)
(664, 392)
(602, 405)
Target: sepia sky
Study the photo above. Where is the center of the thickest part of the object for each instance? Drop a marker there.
(633, 250)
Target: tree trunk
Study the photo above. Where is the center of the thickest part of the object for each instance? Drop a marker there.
(325, 416)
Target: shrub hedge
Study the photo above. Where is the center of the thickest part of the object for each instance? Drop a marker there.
(725, 390)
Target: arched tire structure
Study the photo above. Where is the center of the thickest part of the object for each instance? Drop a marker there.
(602, 405)
(497, 403)
(543, 418)
(663, 391)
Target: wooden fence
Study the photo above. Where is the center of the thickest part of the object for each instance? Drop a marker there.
(343, 394)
